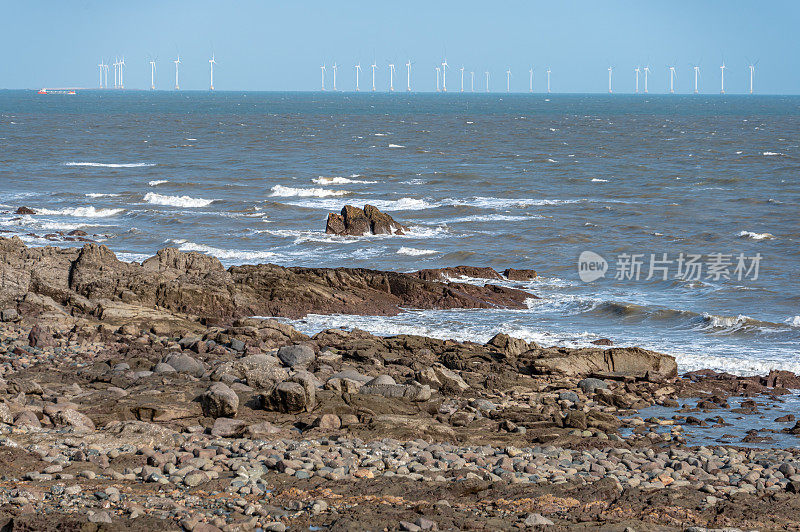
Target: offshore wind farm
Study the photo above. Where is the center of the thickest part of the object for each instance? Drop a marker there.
(387, 71)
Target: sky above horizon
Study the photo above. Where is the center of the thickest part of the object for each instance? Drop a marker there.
(280, 46)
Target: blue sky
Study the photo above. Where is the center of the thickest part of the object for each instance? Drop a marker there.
(264, 45)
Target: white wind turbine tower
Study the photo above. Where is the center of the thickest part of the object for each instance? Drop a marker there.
(444, 75)
(177, 62)
(637, 79)
(487, 80)
(335, 66)
(672, 80)
(472, 81)
(437, 79)
(722, 78)
(530, 81)
(752, 68)
(373, 66)
(105, 72)
(116, 64)
(548, 80)
(322, 70)
(358, 69)
(610, 70)
(696, 75)
(408, 76)
(101, 73)
(646, 73)
(508, 80)
(152, 75)
(121, 71)
(391, 77)
(462, 79)
(212, 62)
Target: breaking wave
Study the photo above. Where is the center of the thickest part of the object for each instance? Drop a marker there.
(287, 192)
(176, 201)
(338, 180)
(414, 252)
(230, 256)
(81, 212)
(157, 182)
(756, 236)
(110, 165)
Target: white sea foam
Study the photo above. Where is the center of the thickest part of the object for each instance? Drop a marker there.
(793, 321)
(100, 195)
(598, 180)
(493, 218)
(549, 160)
(287, 192)
(396, 146)
(110, 165)
(338, 180)
(231, 256)
(402, 204)
(81, 212)
(773, 154)
(756, 236)
(157, 182)
(176, 201)
(415, 252)
(132, 257)
(504, 203)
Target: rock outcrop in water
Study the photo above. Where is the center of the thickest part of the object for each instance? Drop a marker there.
(354, 221)
(173, 288)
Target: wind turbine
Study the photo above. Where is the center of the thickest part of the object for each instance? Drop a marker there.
(696, 75)
(374, 66)
(530, 81)
(391, 77)
(462, 79)
(212, 62)
(177, 62)
(322, 70)
(672, 76)
(121, 71)
(752, 68)
(408, 76)
(358, 69)
(610, 70)
(101, 73)
(437, 79)
(472, 81)
(722, 77)
(335, 66)
(116, 64)
(487, 80)
(105, 69)
(646, 73)
(508, 80)
(548, 80)
(637, 79)
(152, 75)
(444, 75)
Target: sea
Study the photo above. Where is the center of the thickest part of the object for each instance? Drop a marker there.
(663, 221)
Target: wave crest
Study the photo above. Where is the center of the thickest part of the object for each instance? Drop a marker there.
(176, 201)
(287, 192)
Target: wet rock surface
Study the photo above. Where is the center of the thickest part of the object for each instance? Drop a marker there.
(355, 221)
(124, 415)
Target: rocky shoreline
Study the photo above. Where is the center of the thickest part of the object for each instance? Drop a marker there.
(145, 396)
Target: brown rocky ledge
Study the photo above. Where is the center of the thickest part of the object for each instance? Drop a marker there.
(173, 288)
(354, 221)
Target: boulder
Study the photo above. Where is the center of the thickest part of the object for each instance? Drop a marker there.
(184, 363)
(508, 345)
(225, 427)
(450, 379)
(40, 337)
(9, 314)
(219, 401)
(628, 361)
(519, 275)
(24, 210)
(289, 398)
(590, 385)
(357, 222)
(72, 418)
(296, 355)
(328, 422)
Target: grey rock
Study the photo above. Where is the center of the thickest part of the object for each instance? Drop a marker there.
(100, 517)
(289, 398)
(537, 520)
(591, 384)
(161, 367)
(219, 401)
(183, 363)
(296, 355)
(9, 314)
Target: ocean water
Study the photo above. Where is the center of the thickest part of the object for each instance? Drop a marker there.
(520, 181)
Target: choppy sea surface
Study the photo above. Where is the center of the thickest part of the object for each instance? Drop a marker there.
(519, 181)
